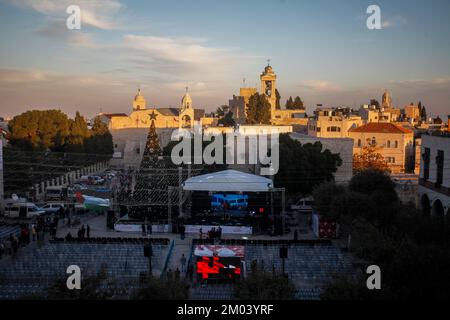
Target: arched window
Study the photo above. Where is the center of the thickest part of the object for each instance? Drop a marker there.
(396, 144)
(359, 143)
(374, 141)
(388, 143)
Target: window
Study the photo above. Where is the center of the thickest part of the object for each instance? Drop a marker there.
(388, 144)
(318, 129)
(374, 141)
(426, 164)
(396, 144)
(390, 159)
(359, 143)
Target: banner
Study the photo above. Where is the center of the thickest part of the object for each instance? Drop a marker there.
(225, 229)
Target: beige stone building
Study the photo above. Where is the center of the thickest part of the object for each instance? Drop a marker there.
(332, 123)
(396, 144)
(184, 117)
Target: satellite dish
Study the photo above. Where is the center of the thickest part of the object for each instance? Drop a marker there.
(14, 197)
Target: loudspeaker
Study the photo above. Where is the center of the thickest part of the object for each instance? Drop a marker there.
(148, 251)
(283, 253)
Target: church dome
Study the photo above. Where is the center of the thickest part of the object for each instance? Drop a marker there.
(186, 101)
(139, 96)
(139, 102)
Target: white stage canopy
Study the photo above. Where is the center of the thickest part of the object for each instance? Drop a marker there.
(228, 181)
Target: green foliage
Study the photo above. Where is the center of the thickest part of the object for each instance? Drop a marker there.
(290, 103)
(258, 110)
(100, 140)
(227, 120)
(42, 130)
(265, 286)
(302, 167)
(160, 289)
(39, 130)
(278, 98)
(374, 102)
(348, 289)
(412, 250)
(298, 103)
(92, 288)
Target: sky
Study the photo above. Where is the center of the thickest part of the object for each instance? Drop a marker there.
(320, 50)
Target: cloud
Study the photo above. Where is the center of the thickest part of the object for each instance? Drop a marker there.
(23, 79)
(320, 86)
(393, 21)
(97, 14)
(78, 38)
(436, 83)
(187, 53)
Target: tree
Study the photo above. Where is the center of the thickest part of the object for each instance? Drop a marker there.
(79, 132)
(423, 113)
(152, 146)
(39, 130)
(227, 120)
(278, 105)
(161, 289)
(258, 109)
(290, 103)
(369, 158)
(92, 289)
(374, 102)
(298, 103)
(302, 167)
(264, 286)
(100, 140)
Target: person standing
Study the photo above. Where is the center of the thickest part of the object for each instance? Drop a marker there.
(201, 233)
(88, 231)
(33, 232)
(183, 263)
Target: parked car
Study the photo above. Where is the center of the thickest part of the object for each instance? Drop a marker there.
(23, 210)
(96, 180)
(52, 207)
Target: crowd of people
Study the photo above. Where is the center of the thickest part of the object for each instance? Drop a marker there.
(28, 233)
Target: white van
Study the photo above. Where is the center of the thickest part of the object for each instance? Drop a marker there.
(303, 205)
(23, 210)
(58, 193)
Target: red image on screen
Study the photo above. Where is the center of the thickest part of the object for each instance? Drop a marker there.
(218, 267)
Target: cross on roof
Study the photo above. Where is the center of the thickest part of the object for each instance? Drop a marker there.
(268, 62)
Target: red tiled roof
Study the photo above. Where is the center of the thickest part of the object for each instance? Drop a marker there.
(380, 127)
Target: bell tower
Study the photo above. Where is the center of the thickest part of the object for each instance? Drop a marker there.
(268, 86)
